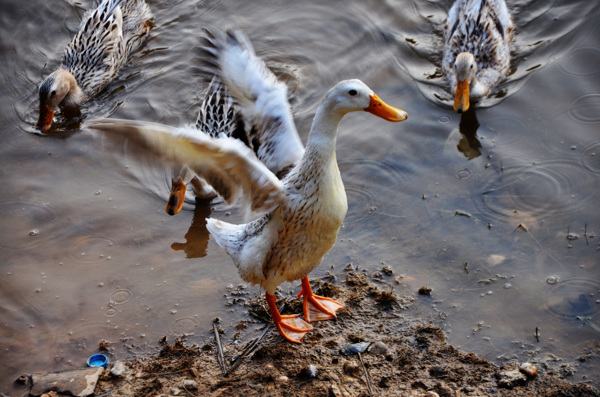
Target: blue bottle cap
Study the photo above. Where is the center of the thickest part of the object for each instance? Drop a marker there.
(97, 360)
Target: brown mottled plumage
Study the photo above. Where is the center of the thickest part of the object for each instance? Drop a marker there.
(107, 34)
(476, 48)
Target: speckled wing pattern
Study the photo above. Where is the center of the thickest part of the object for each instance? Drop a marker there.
(230, 57)
(97, 50)
(483, 28)
(229, 166)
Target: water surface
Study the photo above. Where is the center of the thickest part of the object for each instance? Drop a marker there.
(88, 254)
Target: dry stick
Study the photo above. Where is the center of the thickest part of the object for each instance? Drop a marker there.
(220, 355)
(369, 384)
(246, 351)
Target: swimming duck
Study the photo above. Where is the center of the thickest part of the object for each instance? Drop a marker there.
(107, 34)
(218, 117)
(476, 53)
(303, 212)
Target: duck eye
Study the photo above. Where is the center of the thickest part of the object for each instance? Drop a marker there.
(352, 92)
(471, 66)
(53, 93)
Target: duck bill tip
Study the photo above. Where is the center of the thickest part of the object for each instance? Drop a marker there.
(176, 197)
(461, 99)
(45, 120)
(381, 109)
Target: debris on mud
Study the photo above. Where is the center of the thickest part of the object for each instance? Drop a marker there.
(371, 349)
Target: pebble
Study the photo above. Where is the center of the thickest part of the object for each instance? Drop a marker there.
(528, 369)
(378, 348)
(189, 384)
(511, 378)
(335, 391)
(354, 348)
(351, 368)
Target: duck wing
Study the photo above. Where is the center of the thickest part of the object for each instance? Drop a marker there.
(229, 166)
(230, 57)
(98, 49)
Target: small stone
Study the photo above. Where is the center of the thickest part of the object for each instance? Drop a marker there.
(528, 369)
(283, 379)
(511, 378)
(425, 291)
(378, 348)
(384, 381)
(76, 382)
(189, 384)
(334, 391)
(354, 348)
(351, 368)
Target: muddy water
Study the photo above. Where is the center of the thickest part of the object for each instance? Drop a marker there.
(478, 208)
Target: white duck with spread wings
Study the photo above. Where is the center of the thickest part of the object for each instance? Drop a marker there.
(304, 210)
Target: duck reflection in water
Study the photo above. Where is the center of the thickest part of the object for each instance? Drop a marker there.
(469, 144)
(196, 238)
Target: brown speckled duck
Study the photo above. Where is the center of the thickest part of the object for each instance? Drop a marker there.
(476, 48)
(107, 35)
(303, 212)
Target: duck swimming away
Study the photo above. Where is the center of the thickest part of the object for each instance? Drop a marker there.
(476, 48)
(107, 35)
(302, 213)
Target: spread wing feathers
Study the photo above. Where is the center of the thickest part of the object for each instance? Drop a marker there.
(98, 49)
(136, 23)
(219, 116)
(230, 167)
(231, 58)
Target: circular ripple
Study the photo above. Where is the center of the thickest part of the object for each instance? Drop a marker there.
(585, 108)
(591, 158)
(184, 325)
(573, 297)
(91, 249)
(120, 296)
(367, 182)
(542, 189)
(582, 62)
(508, 129)
(29, 224)
(464, 173)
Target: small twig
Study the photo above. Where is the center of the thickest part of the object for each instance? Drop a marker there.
(220, 355)
(246, 351)
(369, 383)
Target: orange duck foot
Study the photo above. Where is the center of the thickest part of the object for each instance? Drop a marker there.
(315, 307)
(291, 327)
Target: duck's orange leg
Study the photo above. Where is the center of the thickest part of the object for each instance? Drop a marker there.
(291, 327)
(315, 307)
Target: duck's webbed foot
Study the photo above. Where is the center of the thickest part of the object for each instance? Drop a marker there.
(291, 327)
(315, 307)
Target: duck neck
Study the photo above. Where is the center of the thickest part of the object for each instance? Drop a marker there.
(323, 133)
(74, 95)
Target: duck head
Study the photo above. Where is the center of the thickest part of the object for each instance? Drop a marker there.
(465, 68)
(58, 88)
(354, 95)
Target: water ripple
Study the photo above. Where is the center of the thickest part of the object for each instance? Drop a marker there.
(575, 65)
(30, 223)
(585, 108)
(573, 297)
(591, 158)
(541, 189)
(91, 248)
